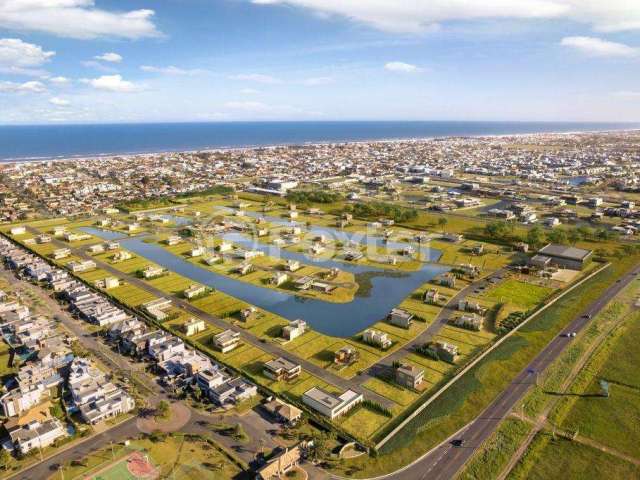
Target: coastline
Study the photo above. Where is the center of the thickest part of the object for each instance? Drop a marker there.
(358, 141)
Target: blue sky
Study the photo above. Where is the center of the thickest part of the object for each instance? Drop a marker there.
(223, 60)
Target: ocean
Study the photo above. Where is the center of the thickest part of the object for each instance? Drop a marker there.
(39, 142)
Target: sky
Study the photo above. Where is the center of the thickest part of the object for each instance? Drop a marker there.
(104, 61)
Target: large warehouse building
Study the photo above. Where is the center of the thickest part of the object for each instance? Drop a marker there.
(562, 256)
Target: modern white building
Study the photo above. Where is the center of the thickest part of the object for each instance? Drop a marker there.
(37, 435)
(330, 405)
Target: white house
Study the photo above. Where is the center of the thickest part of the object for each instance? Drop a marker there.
(330, 405)
(295, 329)
(37, 435)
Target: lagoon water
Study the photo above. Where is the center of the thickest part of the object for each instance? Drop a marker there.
(340, 320)
(33, 142)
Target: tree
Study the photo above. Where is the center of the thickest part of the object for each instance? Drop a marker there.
(557, 236)
(498, 230)
(574, 236)
(442, 221)
(5, 459)
(585, 232)
(535, 236)
(197, 393)
(163, 409)
(322, 445)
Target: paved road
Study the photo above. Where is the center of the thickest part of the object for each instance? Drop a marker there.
(445, 461)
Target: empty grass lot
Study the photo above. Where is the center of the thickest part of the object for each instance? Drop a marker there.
(608, 421)
(522, 294)
(562, 458)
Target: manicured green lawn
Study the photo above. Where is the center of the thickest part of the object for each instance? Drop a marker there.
(396, 393)
(363, 423)
(525, 295)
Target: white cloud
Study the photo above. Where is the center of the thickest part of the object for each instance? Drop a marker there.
(26, 87)
(249, 91)
(317, 81)
(110, 57)
(598, 47)
(75, 19)
(59, 102)
(401, 67)
(172, 70)
(59, 80)
(99, 66)
(419, 16)
(22, 58)
(255, 77)
(113, 83)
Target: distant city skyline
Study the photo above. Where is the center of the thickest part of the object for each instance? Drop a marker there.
(76, 61)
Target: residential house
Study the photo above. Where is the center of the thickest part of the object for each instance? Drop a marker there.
(282, 412)
(444, 351)
(243, 269)
(232, 392)
(194, 326)
(37, 435)
(295, 329)
(432, 296)
(279, 278)
(81, 266)
(169, 347)
(376, 338)
(281, 463)
(466, 305)
(157, 308)
(470, 321)
(330, 405)
(173, 240)
(60, 253)
(96, 249)
(346, 356)
(152, 271)
(446, 280)
(122, 256)
(400, 318)
(409, 376)
(194, 290)
(281, 369)
(292, 265)
(226, 341)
